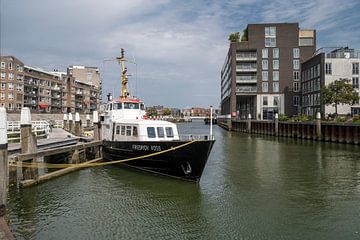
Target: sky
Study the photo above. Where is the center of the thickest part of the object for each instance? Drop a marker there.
(179, 46)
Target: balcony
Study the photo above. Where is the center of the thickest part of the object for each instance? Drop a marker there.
(246, 56)
(246, 89)
(246, 79)
(250, 67)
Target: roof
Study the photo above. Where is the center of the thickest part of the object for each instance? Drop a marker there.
(131, 100)
(147, 122)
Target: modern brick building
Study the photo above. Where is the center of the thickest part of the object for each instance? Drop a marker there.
(261, 73)
(328, 65)
(48, 92)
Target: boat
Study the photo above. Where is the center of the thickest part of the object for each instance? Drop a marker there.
(150, 145)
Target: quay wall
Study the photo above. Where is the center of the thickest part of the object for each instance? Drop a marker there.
(315, 130)
(44, 116)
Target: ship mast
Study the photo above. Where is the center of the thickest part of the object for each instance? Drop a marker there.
(124, 77)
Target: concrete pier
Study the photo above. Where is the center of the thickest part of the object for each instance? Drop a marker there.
(65, 119)
(88, 124)
(77, 124)
(70, 120)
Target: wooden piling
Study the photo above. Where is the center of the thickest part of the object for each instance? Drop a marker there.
(318, 126)
(97, 135)
(65, 122)
(77, 124)
(4, 168)
(70, 120)
(28, 143)
(88, 124)
(249, 123)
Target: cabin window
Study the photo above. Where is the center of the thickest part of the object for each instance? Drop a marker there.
(128, 130)
(142, 107)
(117, 105)
(160, 132)
(123, 130)
(169, 132)
(118, 130)
(131, 105)
(135, 131)
(151, 132)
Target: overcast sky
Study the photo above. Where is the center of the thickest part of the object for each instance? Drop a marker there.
(179, 46)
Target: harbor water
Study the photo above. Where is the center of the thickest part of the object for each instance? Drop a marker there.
(253, 187)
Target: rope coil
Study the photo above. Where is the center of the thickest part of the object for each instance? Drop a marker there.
(84, 165)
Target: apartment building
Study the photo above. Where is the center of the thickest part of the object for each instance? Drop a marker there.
(11, 83)
(261, 73)
(48, 92)
(328, 65)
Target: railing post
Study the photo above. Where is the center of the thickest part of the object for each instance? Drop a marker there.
(4, 168)
(28, 142)
(87, 120)
(318, 126)
(77, 124)
(249, 123)
(70, 120)
(276, 124)
(65, 121)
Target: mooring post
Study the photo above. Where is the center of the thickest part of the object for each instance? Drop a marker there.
(77, 124)
(276, 124)
(318, 126)
(87, 120)
(70, 120)
(65, 121)
(249, 123)
(4, 168)
(96, 122)
(28, 142)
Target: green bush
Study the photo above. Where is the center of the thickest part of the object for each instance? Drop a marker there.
(356, 119)
(301, 118)
(283, 117)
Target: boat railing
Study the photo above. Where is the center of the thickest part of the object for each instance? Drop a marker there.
(198, 137)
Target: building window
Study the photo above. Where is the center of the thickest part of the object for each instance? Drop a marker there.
(18, 87)
(276, 53)
(270, 36)
(265, 87)
(355, 68)
(276, 101)
(276, 64)
(2, 86)
(3, 64)
(265, 75)
(328, 69)
(296, 100)
(296, 75)
(19, 68)
(275, 75)
(18, 106)
(296, 53)
(11, 76)
(265, 64)
(296, 64)
(2, 96)
(2, 75)
(11, 86)
(265, 53)
(275, 87)
(265, 100)
(11, 67)
(19, 78)
(11, 106)
(306, 41)
(296, 86)
(355, 82)
(11, 96)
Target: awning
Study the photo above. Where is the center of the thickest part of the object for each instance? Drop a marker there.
(42, 105)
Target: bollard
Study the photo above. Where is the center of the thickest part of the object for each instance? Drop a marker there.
(77, 124)
(276, 124)
(70, 120)
(4, 168)
(28, 143)
(65, 121)
(87, 120)
(249, 123)
(97, 150)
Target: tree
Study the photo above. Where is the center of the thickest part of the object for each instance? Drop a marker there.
(167, 112)
(339, 91)
(234, 37)
(152, 112)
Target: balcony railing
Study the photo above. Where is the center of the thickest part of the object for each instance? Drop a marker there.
(246, 68)
(246, 89)
(246, 78)
(246, 56)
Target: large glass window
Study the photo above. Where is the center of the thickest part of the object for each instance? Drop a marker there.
(265, 75)
(169, 132)
(151, 132)
(355, 68)
(270, 36)
(265, 64)
(135, 132)
(128, 130)
(276, 64)
(296, 53)
(131, 105)
(296, 100)
(306, 41)
(265, 87)
(123, 130)
(355, 82)
(296, 64)
(275, 87)
(117, 105)
(275, 75)
(328, 69)
(160, 132)
(276, 101)
(296, 86)
(265, 100)
(296, 75)
(117, 129)
(265, 53)
(276, 53)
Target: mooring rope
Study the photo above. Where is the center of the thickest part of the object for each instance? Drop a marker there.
(84, 165)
